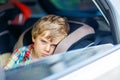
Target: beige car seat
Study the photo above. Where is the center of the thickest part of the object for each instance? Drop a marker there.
(82, 31)
(4, 58)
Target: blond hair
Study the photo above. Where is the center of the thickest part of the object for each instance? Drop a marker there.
(58, 26)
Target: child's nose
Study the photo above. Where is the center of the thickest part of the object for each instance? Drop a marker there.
(47, 48)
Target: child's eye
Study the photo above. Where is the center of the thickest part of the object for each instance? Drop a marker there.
(43, 41)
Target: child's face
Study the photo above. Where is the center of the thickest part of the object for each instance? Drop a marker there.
(43, 46)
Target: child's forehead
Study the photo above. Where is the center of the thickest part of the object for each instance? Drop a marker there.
(46, 33)
(50, 37)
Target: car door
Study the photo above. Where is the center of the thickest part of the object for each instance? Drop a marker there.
(111, 13)
(104, 64)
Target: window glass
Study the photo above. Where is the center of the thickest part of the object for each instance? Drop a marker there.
(2, 1)
(73, 4)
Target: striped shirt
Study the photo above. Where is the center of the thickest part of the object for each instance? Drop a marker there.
(20, 55)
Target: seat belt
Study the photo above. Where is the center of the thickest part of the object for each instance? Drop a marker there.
(74, 37)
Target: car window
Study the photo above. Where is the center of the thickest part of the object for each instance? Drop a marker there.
(73, 4)
(80, 54)
(2, 1)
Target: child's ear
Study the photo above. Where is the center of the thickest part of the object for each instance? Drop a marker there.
(33, 39)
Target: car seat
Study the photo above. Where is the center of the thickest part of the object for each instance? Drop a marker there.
(4, 58)
(76, 28)
(93, 37)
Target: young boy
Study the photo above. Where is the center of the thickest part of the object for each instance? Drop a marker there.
(47, 32)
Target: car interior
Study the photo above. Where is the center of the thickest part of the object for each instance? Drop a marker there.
(79, 14)
(90, 16)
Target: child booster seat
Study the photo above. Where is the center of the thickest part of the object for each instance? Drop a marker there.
(78, 31)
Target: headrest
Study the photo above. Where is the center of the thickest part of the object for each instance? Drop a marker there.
(78, 34)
